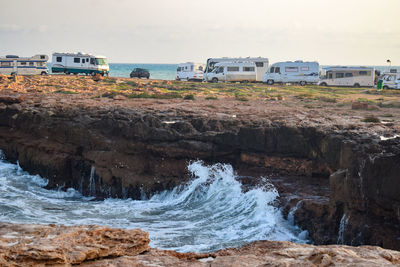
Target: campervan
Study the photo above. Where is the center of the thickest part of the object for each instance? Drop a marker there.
(261, 65)
(190, 71)
(348, 76)
(15, 65)
(292, 72)
(390, 78)
(79, 63)
(233, 72)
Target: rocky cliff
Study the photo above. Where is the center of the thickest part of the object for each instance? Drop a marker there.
(337, 178)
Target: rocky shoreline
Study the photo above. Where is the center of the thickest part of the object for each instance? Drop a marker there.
(336, 176)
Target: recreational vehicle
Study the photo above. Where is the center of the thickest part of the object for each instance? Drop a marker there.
(348, 76)
(390, 78)
(261, 65)
(79, 63)
(14, 65)
(292, 72)
(233, 72)
(190, 71)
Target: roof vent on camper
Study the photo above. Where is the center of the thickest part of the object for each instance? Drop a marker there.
(299, 61)
(12, 56)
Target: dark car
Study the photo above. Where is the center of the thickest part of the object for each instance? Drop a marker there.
(140, 73)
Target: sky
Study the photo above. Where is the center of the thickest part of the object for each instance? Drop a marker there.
(332, 32)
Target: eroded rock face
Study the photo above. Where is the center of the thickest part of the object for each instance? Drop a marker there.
(95, 246)
(36, 245)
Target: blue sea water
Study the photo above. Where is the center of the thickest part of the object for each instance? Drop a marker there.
(157, 71)
(167, 71)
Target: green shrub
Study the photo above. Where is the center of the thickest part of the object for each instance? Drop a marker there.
(189, 97)
(371, 119)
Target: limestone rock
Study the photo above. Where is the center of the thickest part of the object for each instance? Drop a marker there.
(33, 245)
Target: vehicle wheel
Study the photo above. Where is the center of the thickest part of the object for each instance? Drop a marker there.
(302, 83)
(214, 80)
(323, 84)
(178, 79)
(66, 72)
(386, 87)
(43, 73)
(13, 74)
(356, 85)
(270, 82)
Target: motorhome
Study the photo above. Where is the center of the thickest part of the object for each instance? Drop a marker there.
(190, 71)
(261, 64)
(76, 63)
(292, 72)
(15, 65)
(233, 72)
(348, 76)
(390, 78)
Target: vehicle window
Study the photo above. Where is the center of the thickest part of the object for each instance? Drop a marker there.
(349, 74)
(339, 75)
(305, 68)
(77, 60)
(277, 69)
(31, 64)
(87, 60)
(363, 73)
(83, 60)
(92, 61)
(248, 68)
(59, 59)
(42, 57)
(259, 64)
(5, 64)
(330, 75)
(231, 69)
(191, 68)
(393, 70)
(272, 70)
(101, 61)
(291, 69)
(220, 70)
(23, 63)
(179, 69)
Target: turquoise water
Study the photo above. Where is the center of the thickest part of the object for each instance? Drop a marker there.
(166, 71)
(157, 71)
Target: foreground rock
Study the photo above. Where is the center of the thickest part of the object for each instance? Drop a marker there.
(34, 245)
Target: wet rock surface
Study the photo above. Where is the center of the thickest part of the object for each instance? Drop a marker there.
(38, 245)
(337, 177)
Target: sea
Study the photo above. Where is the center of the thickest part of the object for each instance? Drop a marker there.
(211, 212)
(168, 71)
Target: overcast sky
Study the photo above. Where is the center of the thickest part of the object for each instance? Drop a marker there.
(353, 32)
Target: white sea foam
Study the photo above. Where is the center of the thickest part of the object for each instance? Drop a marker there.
(209, 213)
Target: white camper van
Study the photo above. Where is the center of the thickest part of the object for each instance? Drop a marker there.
(233, 72)
(348, 76)
(190, 71)
(15, 65)
(261, 65)
(79, 63)
(390, 78)
(292, 72)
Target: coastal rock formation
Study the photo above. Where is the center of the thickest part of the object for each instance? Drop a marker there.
(35, 245)
(119, 147)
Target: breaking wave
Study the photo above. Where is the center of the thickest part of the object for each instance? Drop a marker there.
(209, 213)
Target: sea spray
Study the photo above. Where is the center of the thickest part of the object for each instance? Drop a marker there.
(209, 213)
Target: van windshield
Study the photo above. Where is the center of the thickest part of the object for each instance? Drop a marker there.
(101, 61)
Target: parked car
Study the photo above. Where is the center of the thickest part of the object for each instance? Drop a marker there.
(140, 73)
(397, 84)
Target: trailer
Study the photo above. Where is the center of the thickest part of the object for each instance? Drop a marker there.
(190, 71)
(15, 65)
(292, 72)
(348, 76)
(75, 63)
(261, 64)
